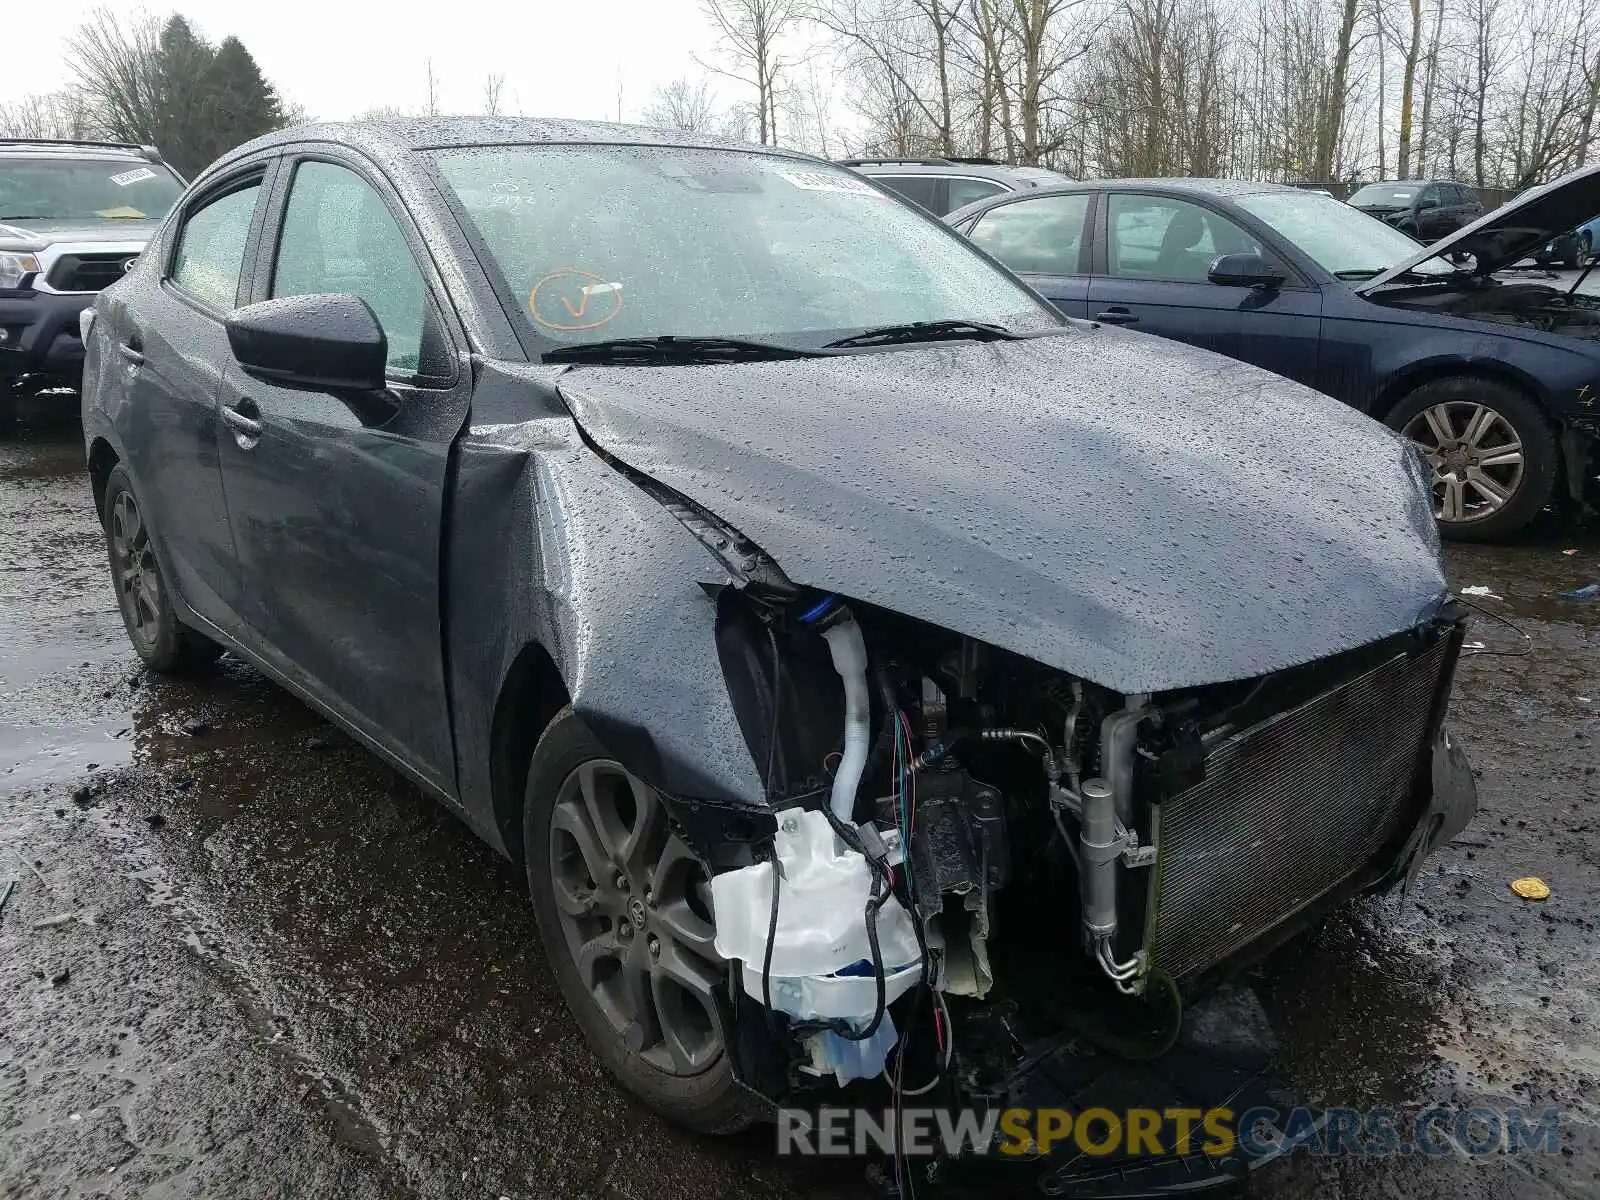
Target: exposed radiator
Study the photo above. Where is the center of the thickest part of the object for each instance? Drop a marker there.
(1290, 808)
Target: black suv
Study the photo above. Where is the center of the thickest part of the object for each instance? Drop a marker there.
(73, 217)
(1427, 209)
(942, 185)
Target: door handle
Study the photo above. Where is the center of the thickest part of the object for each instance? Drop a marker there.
(246, 426)
(1116, 316)
(130, 351)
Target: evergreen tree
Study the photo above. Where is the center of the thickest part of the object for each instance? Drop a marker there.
(184, 62)
(240, 104)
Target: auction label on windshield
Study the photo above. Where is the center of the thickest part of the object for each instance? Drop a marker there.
(829, 181)
(134, 176)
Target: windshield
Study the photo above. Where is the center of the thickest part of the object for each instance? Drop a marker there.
(604, 242)
(1343, 241)
(1385, 195)
(85, 189)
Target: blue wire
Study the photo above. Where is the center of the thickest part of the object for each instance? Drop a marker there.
(818, 609)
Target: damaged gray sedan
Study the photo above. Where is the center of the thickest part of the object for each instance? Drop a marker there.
(877, 674)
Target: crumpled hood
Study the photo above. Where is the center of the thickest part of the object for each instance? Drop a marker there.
(1128, 509)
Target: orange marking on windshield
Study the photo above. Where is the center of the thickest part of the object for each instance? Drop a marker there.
(574, 289)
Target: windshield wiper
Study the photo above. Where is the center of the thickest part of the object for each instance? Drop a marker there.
(27, 217)
(670, 348)
(927, 331)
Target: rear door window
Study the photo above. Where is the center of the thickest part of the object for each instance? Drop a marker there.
(1041, 236)
(968, 191)
(929, 191)
(210, 251)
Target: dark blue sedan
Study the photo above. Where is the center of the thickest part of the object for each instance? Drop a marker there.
(1496, 377)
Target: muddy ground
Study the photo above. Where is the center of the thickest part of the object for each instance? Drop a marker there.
(243, 959)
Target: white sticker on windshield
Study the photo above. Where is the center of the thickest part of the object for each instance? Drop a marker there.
(830, 181)
(133, 176)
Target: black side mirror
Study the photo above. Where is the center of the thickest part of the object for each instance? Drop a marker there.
(1246, 269)
(1424, 204)
(331, 343)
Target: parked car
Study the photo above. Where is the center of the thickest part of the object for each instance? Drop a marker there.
(1571, 249)
(943, 184)
(1426, 209)
(669, 511)
(73, 215)
(1324, 294)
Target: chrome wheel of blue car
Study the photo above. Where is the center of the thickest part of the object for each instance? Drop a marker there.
(1492, 453)
(1475, 454)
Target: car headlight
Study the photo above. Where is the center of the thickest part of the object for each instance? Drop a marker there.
(14, 268)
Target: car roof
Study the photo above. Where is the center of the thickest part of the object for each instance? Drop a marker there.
(971, 168)
(1177, 186)
(391, 138)
(61, 148)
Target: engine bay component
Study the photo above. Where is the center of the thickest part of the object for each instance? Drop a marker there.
(815, 941)
(948, 816)
(959, 860)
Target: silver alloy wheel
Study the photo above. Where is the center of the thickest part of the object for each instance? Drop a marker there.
(634, 906)
(1476, 457)
(134, 565)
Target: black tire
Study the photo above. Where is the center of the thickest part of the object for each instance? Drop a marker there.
(8, 410)
(706, 1099)
(158, 636)
(1526, 489)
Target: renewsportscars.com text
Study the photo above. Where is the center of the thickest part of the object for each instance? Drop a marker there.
(1256, 1132)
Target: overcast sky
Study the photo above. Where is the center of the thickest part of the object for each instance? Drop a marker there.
(338, 58)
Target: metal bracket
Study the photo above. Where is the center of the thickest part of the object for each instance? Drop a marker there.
(1134, 855)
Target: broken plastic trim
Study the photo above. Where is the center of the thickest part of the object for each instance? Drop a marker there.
(739, 556)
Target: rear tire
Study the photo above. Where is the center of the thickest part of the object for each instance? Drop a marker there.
(159, 638)
(1492, 452)
(614, 889)
(8, 410)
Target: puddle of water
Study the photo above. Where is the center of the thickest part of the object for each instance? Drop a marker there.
(32, 755)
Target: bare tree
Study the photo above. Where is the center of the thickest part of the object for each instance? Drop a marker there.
(50, 115)
(1483, 16)
(750, 32)
(430, 106)
(493, 84)
(1305, 90)
(1430, 86)
(683, 104)
(909, 40)
(118, 68)
(1332, 116)
(1411, 51)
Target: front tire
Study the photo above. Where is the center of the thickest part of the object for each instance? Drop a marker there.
(1492, 453)
(623, 909)
(159, 638)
